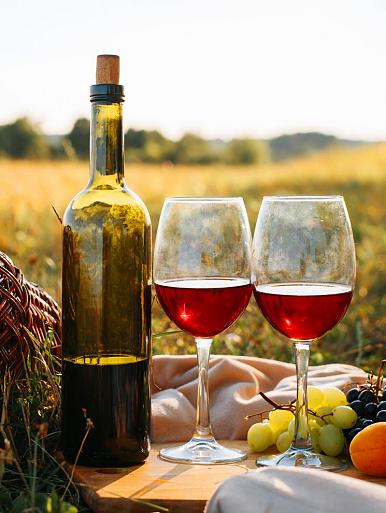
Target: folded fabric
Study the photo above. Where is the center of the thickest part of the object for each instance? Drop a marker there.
(290, 490)
(234, 384)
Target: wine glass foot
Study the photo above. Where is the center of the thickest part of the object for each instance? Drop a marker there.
(303, 459)
(202, 452)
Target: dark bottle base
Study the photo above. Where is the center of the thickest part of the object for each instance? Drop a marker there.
(103, 460)
(106, 411)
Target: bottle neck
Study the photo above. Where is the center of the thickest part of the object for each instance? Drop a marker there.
(106, 144)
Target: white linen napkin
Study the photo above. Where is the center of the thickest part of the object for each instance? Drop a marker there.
(296, 490)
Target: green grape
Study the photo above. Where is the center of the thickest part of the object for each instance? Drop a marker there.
(324, 415)
(315, 397)
(331, 440)
(315, 439)
(344, 417)
(279, 419)
(334, 397)
(260, 436)
(275, 433)
(302, 429)
(283, 441)
(291, 428)
(313, 424)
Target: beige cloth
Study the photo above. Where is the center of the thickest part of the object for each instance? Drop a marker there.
(234, 384)
(295, 490)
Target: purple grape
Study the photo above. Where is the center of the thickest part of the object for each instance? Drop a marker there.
(362, 423)
(352, 395)
(366, 396)
(358, 406)
(353, 432)
(381, 416)
(370, 410)
(382, 406)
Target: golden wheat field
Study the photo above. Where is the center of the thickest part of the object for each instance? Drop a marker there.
(31, 234)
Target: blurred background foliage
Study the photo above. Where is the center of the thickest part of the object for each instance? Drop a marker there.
(31, 234)
(23, 139)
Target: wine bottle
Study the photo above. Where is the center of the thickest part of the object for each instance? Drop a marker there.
(106, 298)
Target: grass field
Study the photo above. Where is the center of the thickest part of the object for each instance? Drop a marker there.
(31, 234)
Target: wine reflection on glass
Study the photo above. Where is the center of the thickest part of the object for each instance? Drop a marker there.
(303, 271)
(202, 279)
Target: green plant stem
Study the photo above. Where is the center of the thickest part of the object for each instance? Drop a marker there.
(34, 469)
(165, 333)
(62, 467)
(70, 482)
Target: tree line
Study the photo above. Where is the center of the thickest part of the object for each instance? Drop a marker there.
(23, 139)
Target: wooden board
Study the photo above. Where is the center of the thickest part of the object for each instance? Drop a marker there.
(177, 487)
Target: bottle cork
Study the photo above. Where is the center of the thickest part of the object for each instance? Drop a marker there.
(107, 69)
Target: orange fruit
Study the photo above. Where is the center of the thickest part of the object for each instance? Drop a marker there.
(368, 450)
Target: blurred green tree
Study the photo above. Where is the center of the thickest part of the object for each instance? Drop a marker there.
(62, 149)
(135, 139)
(148, 146)
(247, 151)
(23, 139)
(192, 149)
(79, 138)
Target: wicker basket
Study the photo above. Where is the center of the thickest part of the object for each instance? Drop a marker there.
(24, 308)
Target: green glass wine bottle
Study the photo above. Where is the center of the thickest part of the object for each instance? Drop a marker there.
(106, 299)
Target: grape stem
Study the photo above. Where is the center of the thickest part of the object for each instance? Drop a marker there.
(379, 379)
(290, 407)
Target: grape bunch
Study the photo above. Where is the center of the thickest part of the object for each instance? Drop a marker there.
(369, 403)
(334, 418)
(329, 418)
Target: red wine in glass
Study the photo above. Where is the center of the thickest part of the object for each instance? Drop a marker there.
(202, 276)
(303, 268)
(204, 307)
(303, 311)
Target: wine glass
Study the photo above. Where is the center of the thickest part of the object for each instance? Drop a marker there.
(303, 272)
(202, 277)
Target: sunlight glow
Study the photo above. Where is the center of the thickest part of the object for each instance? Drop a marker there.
(220, 68)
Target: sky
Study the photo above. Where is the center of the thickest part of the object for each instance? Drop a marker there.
(219, 68)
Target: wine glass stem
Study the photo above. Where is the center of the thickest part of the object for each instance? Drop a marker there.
(203, 427)
(302, 438)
